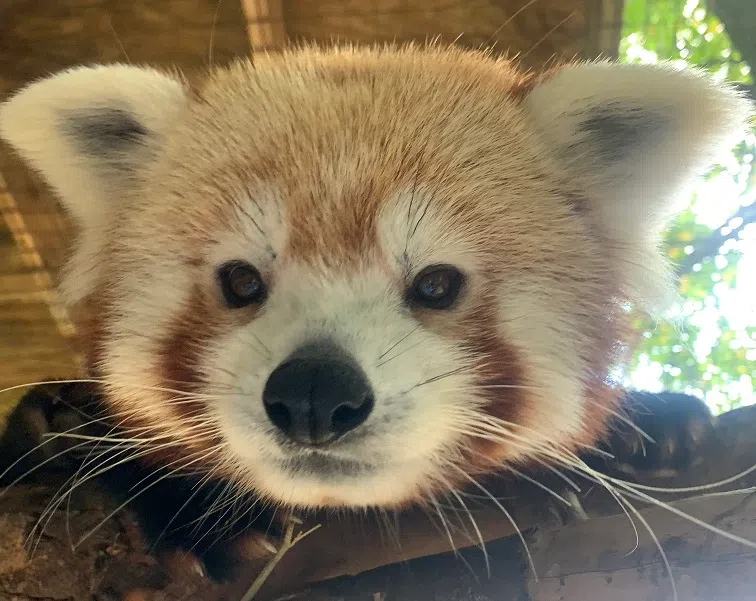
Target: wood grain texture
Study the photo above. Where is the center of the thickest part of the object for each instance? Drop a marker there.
(609, 563)
(39, 38)
(265, 24)
(539, 31)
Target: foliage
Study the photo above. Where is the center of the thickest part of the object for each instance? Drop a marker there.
(709, 347)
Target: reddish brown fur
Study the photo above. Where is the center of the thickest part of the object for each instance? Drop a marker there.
(501, 376)
(181, 350)
(527, 83)
(324, 140)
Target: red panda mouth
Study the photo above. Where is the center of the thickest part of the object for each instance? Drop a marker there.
(326, 466)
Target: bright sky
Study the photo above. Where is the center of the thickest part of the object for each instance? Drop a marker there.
(716, 200)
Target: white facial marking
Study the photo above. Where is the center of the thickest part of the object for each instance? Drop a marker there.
(411, 422)
(147, 170)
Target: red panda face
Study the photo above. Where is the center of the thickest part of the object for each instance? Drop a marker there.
(359, 277)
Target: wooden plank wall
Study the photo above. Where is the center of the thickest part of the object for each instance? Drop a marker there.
(38, 38)
(538, 31)
(265, 24)
(34, 332)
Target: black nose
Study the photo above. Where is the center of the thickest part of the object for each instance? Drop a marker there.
(318, 394)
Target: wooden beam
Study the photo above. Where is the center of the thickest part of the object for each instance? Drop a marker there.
(603, 28)
(265, 24)
(37, 285)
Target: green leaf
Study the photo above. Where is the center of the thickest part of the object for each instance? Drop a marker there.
(713, 358)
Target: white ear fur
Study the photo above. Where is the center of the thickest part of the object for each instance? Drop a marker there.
(88, 129)
(631, 137)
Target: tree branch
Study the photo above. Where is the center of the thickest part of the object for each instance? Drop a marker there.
(114, 560)
(739, 20)
(738, 17)
(709, 247)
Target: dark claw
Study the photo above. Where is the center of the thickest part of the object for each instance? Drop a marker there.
(666, 437)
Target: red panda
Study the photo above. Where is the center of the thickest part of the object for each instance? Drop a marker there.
(353, 277)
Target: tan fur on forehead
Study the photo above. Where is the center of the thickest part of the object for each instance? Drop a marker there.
(349, 128)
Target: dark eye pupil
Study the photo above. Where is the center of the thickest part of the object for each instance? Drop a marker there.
(241, 284)
(244, 283)
(436, 287)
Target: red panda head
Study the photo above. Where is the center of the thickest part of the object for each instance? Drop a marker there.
(353, 277)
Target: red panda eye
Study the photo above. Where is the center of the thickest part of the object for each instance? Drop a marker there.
(436, 287)
(241, 284)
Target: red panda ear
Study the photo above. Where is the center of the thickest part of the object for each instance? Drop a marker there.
(631, 137)
(90, 131)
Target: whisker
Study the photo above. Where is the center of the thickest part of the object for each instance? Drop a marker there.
(439, 377)
(221, 505)
(125, 503)
(402, 352)
(444, 523)
(236, 519)
(539, 485)
(477, 531)
(598, 479)
(559, 474)
(415, 180)
(402, 339)
(476, 388)
(691, 489)
(132, 457)
(54, 503)
(574, 463)
(485, 491)
(658, 544)
(624, 419)
(197, 489)
(678, 512)
(50, 382)
(509, 20)
(148, 451)
(146, 388)
(475, 497)
(47, 439)
(109, 19)
(548, 33)
(428, 203)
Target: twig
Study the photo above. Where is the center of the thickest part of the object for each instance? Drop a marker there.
(289, 540)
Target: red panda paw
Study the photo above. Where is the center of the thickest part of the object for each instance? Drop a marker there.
(667, 437)
(46, 430)
(165, 577)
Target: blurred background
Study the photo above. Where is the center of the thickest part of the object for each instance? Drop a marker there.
(707, 348)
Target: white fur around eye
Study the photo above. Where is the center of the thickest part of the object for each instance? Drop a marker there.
(410, 429)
